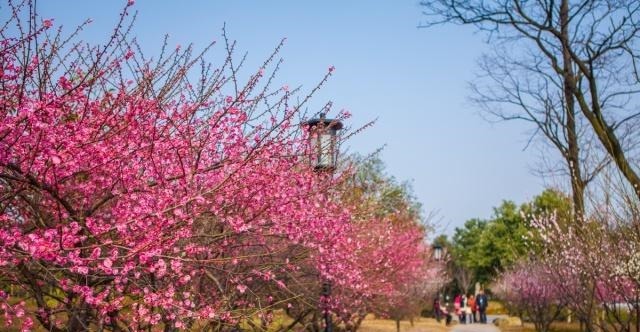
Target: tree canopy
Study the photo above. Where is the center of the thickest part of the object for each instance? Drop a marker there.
(486, 247)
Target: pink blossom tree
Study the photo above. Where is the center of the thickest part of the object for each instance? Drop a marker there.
(170, 193)
(388, 235)
(531, 290)
(591, 264)
(134, 194)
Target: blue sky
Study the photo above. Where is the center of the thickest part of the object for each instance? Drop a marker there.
(414, 81)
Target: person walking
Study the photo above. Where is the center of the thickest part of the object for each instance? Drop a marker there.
(471, 303)
(446, 313)
(436, 308)
(467, 309)
(482, 302)
(457, 301)
(463, 309)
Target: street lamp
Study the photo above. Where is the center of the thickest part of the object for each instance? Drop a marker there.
(437, 252)
(326, 293)
(323, 141)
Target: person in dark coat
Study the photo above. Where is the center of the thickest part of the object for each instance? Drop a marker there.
(482, 303)
(436, 309)
(446, 313)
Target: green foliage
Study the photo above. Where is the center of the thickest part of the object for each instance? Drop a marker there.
(486, 247)
(441, 240)
(381, 193)
(549, 201)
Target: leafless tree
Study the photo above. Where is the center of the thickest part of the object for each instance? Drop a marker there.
(513, 86)
(571, 68)
(580, 57)
(463, 276)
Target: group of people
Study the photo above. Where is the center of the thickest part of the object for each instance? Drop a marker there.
(468, 308)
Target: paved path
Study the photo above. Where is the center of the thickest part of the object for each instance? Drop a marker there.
(489, 327)
(475, 328)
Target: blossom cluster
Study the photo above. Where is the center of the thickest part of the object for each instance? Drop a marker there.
(134, 197)
(588, 266)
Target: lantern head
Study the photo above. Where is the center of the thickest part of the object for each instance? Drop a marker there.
(323, 142)
(437, 252)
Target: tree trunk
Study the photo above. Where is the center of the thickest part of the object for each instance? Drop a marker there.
(573, 152)
(358, 322)
(78, 317)
(637, 317)
(577, 183)
(593, 112)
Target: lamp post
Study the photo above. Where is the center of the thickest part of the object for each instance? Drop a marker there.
(323, 158)
(438, 256)
(323, 142)
(437, 252)
(326, 293)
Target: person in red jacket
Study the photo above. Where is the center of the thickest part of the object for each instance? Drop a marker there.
(471, 303)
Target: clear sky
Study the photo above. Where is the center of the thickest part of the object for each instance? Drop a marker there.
(414, 81)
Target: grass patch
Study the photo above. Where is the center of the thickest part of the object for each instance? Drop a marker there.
(388, 325)
(496, 308)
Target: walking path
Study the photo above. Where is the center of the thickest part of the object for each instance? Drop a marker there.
(489, 327)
